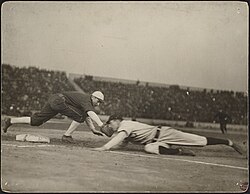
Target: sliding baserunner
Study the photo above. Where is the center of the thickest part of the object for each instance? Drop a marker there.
(157, 140)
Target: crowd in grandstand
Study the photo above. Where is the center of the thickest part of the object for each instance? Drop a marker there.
(170, 103)
(27, 89)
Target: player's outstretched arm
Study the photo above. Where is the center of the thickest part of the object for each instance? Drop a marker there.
(113, 142)
(92, 127)
(95, 118)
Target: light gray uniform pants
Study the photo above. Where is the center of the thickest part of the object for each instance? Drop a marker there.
(170, 136)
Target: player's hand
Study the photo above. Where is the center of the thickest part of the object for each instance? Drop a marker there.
(100, 149)
(97, 132)
(108, 131)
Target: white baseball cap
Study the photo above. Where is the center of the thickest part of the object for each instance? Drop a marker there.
(98, 95)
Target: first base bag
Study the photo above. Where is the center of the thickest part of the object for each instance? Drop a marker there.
(32, 138)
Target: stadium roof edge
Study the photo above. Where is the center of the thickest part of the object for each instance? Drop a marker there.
(109, 79)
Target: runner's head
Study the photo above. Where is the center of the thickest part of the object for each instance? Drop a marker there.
(114, 121)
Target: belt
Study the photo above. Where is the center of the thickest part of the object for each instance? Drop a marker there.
(157, 134)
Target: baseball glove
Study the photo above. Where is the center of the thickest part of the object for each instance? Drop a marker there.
(108, 131)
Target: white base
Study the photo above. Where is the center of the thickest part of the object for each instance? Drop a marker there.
(32, 138)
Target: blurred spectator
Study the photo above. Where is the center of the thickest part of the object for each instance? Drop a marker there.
(224, 119)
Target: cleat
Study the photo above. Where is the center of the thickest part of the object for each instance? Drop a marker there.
(186, 152)
(237, 148)
(67, 139)
(6, 125)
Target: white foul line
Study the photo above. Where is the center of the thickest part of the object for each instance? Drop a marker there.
(183, 160)
(27, 146)
(146, 156)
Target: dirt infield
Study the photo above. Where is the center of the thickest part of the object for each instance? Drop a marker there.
(59, 167)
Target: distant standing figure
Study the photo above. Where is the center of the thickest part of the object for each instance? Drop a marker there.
(224, 118)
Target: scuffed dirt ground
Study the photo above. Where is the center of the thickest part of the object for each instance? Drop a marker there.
(61, 167)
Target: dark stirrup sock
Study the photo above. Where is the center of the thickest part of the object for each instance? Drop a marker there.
(216, 141)
(168, 151)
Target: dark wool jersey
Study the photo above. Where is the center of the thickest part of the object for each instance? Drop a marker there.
(79, 100)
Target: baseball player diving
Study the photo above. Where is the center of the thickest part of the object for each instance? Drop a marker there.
(78, 106)
(157, 140)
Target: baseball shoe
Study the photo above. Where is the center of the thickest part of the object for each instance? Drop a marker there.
(6, 124)
(185, 152)
(67, 139)
(237, 148)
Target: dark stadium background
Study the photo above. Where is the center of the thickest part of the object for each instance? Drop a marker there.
(26, 89)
